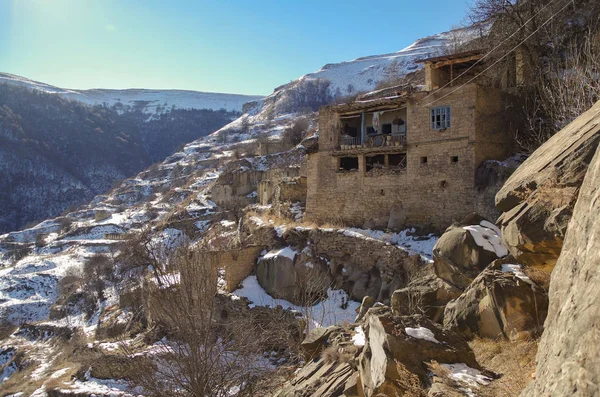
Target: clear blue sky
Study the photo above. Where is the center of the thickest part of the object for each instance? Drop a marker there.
(247, 47)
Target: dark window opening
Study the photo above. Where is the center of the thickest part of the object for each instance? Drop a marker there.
(349, 163)
(398, 126)
(455, 159)
(386, 128)
(397, 161)
(350, 131)
(423, 160)
(375, 162)
(371, 130)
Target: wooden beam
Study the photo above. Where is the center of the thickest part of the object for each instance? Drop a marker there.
(362, 128)
(438, 65)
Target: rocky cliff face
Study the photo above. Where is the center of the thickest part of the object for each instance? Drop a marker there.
(568, 356)
(550, 223)
(537, 200)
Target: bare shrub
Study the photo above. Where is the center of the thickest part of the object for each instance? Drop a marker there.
(202, 354)
(514, 360)
(337, 355)
(143, 250)
(296, 133)
(568, 87)
(96, 271)
(40, 240)
(555, 45)
(64, 222)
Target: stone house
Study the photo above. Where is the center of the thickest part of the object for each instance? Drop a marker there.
(411, 157)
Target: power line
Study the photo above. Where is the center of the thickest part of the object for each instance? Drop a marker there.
(503, 56)
(492, 50)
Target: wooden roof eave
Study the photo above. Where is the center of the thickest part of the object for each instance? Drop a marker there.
(356, 108)
(437, 65)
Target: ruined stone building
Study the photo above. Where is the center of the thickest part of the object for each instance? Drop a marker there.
(411, 157)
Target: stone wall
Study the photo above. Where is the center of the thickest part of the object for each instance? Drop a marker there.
(280, 185)
(272, 147)
(237, 264)
(377, 271)
(235, 184)
(436, 192)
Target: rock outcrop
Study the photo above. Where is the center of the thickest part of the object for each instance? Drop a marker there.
(285, 273)
(568, 356)
(385, 354)
(501, 302)
(428, 295)
(465, 249)
(379, 269)
(537, 200)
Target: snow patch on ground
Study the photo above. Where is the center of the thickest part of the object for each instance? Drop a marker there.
(336, 309)
(466, 375)
(359, 338)
(517, 270)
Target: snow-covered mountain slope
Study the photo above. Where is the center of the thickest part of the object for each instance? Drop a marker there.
(150, 101)
(336, 81)
(364, 73)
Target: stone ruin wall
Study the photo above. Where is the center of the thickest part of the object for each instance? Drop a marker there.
(237, 264)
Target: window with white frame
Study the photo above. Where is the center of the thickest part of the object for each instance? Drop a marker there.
(440, 118)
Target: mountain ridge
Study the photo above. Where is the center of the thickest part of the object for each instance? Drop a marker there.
(157, 98)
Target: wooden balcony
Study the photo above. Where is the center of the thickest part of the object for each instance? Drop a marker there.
(379, 143)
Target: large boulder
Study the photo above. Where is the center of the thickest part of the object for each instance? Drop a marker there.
(537, 200)
(425, 295)
(568, 360)
(317, 340)
(501, 302)
(295, 276)
(465, 249)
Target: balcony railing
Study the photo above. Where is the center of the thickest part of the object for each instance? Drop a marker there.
(349, 141)
(372, 141)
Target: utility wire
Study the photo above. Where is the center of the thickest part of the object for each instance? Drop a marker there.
(503, 56)
(490, 51)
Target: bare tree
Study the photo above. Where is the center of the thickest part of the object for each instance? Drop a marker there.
(142, 250)
(297, 131)
(553, 46)
(206, 352)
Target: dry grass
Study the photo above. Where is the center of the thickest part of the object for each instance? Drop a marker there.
(336, 354)
(541, 277)
(275, 220)
(6, 329)
(65, 355)
(514, 361)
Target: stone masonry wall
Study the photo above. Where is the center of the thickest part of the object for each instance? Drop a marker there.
(434, 193)
(237, 264)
